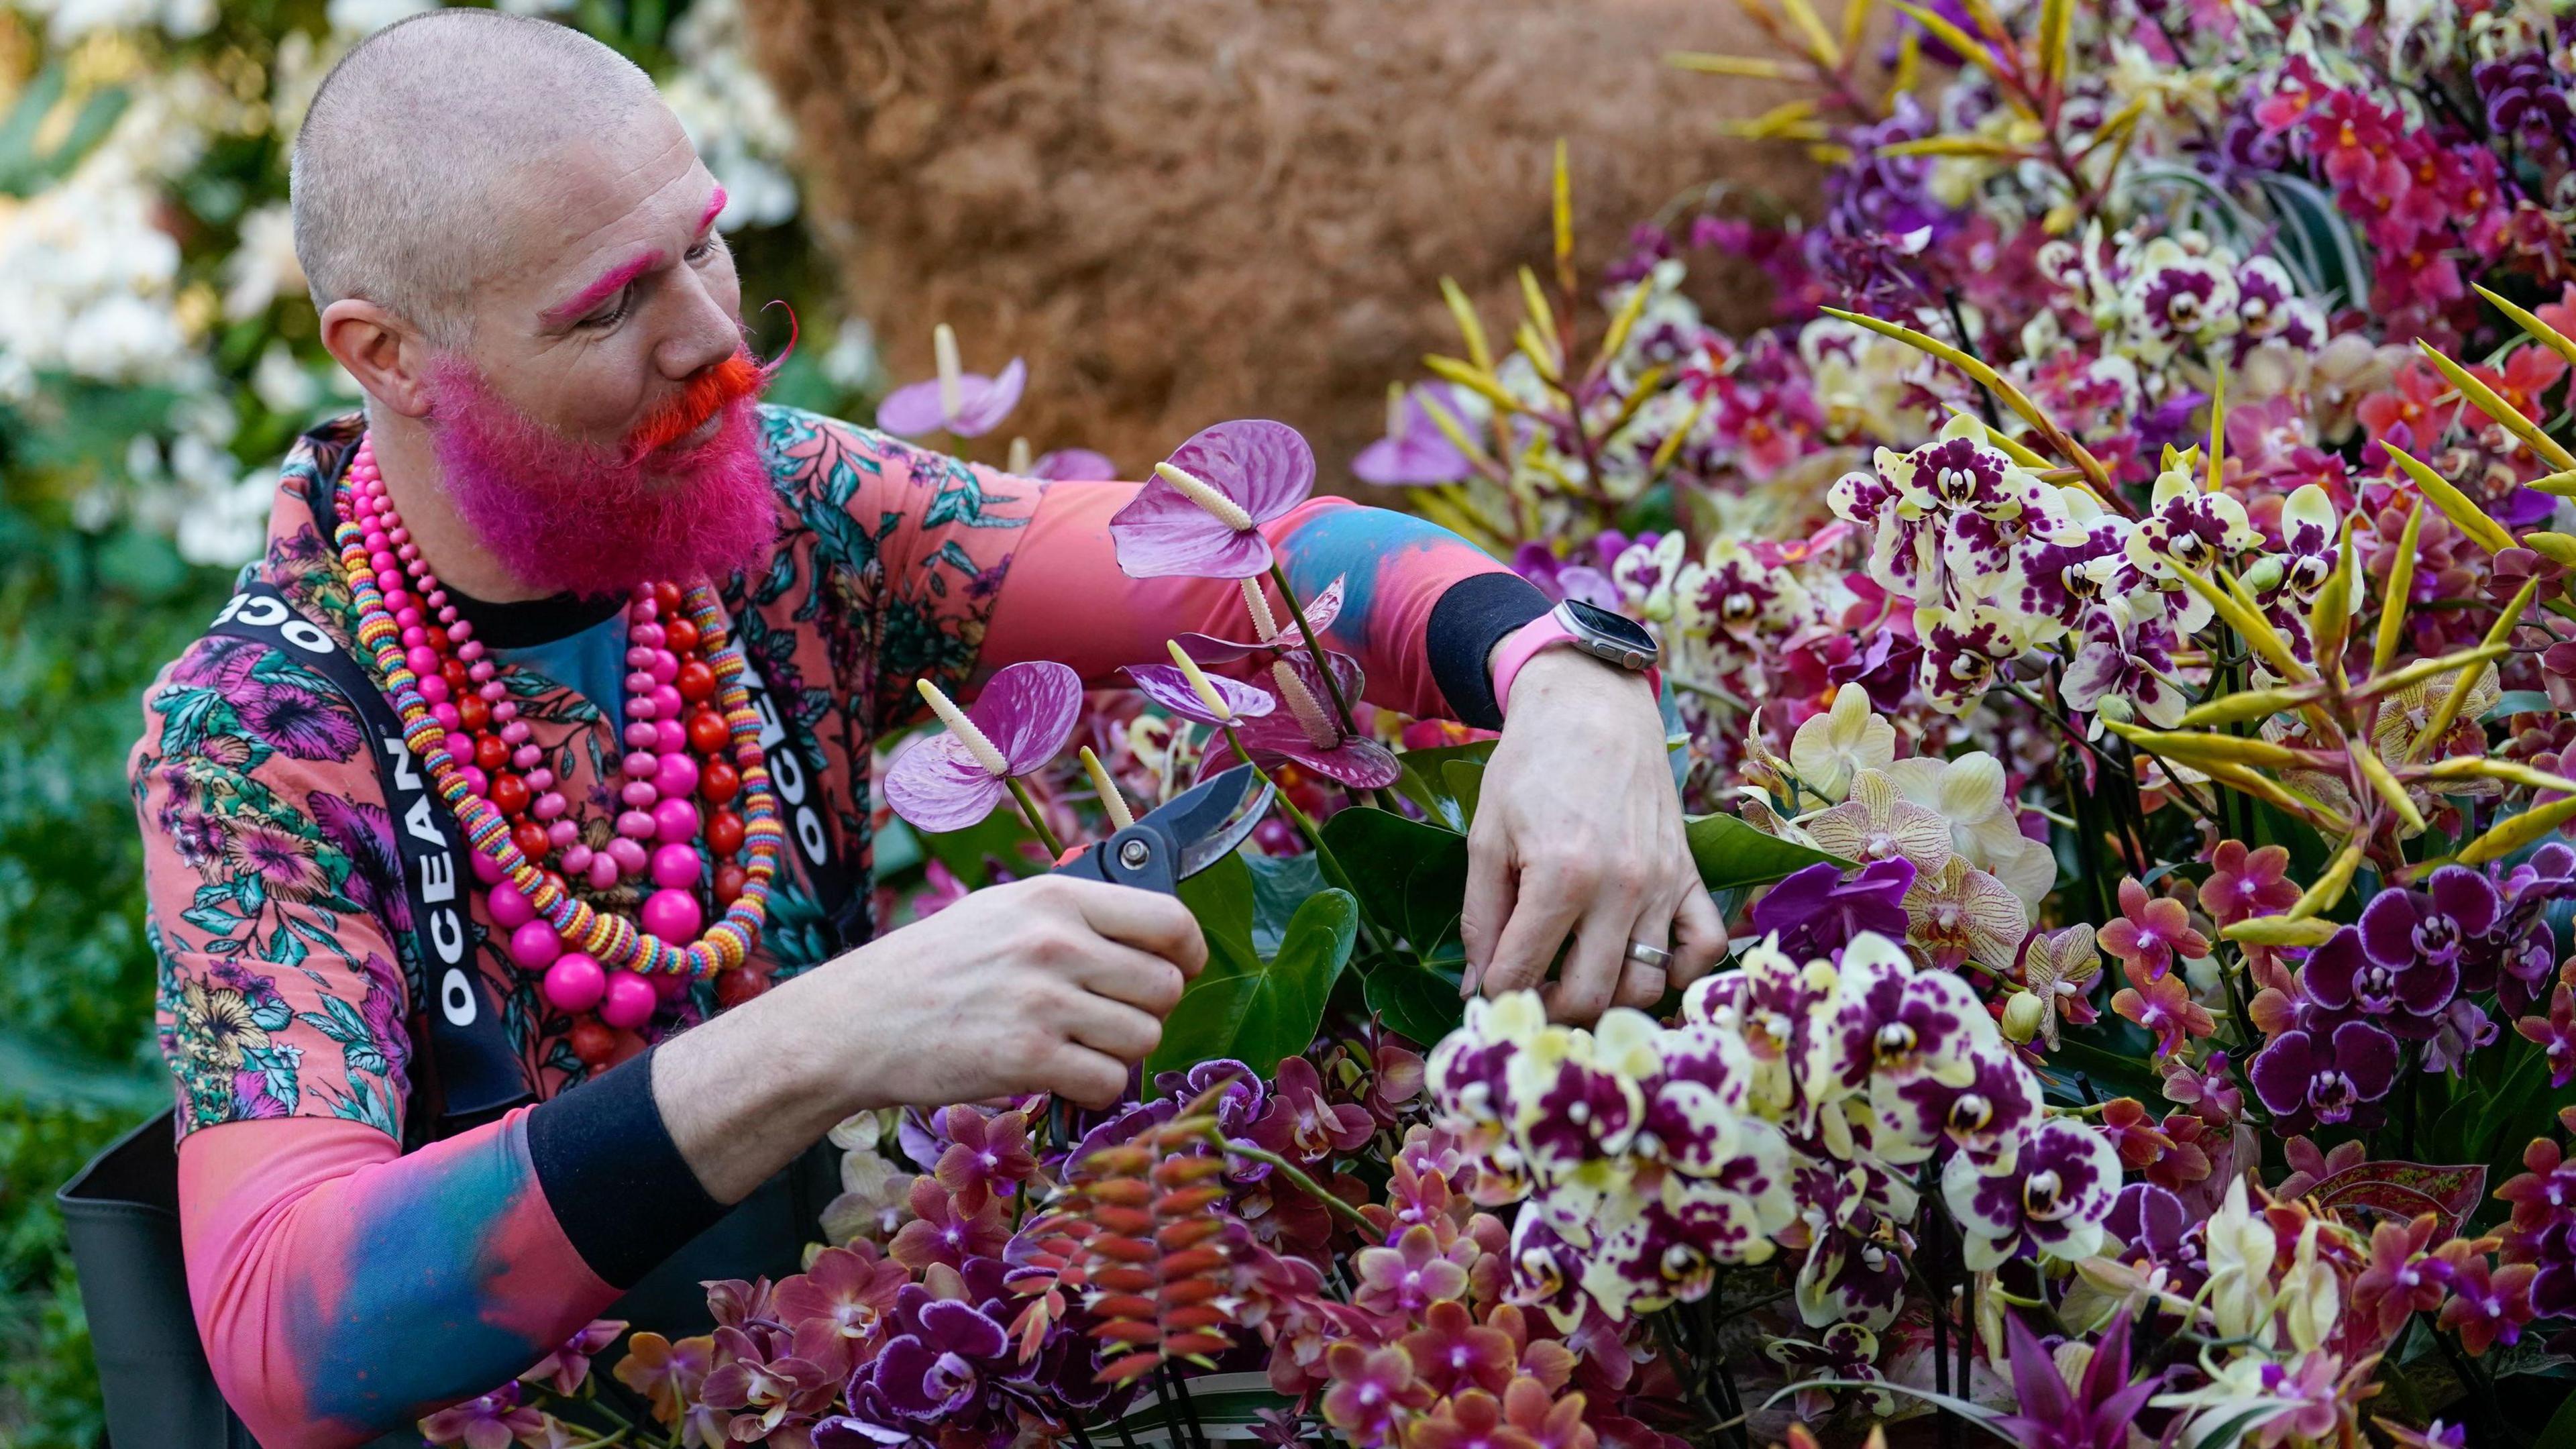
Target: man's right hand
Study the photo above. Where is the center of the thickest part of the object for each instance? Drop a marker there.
(1049, 984)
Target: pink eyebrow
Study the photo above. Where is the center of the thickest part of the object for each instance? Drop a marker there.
(608, 285)
(715, 204)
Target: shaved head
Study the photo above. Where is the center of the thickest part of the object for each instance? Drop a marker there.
(426, 135)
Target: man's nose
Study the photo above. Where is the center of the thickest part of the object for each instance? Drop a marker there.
(705, 332)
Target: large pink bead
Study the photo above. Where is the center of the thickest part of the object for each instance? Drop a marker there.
(672, 915)
(628, 1001)
(433, 687)
(510, 910)
(602, 871)
(664, 668)
(675, 821)
(675, 866)
(484, 870)
(666, 702)
(575, 982)
(447, 717)
(422, 659)
(535, 946)
(676, 775)
(629, 855)
(668, 736)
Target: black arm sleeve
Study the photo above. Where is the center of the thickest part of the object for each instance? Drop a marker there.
(1468, 621)
(617, 1183)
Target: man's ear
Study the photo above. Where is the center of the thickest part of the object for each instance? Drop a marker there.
(386, 354)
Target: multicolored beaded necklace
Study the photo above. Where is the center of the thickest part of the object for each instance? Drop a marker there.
(690, 732)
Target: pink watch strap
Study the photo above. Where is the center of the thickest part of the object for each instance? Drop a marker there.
(1522, 645)
(1519, 647)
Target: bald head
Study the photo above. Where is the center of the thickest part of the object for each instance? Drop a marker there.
(426, 136)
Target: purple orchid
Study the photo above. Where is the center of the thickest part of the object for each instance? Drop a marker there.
(960, 403)
(939, 1364)
(2095, 1413)
(1816, 910)
(2406, 996)
(1201, 514)
(1282, 636)
(1307, 733)
(2306, 1078)
(564, 1369)
(494, 1421)
(1415, 451)
(1578, 578)
(2158, 1233)
(1019, 722)
(2451, 923)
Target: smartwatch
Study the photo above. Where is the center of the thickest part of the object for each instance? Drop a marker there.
(1596, 631)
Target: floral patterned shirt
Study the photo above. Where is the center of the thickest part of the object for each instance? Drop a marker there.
(289, 984)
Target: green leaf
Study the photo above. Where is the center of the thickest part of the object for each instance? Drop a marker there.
(2518, 701)
(1419, 1001)
(1280, 884)
(1221, 896)
(1411, 877)
(1466, 781)
(1269, 1012)
(1426, 783)
(1731, 854)
(2560, 1431)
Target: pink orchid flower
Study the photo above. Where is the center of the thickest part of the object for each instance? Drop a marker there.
(953, 780)
(1201, 514)
(961, 403)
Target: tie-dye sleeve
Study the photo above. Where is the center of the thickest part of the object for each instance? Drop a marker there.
(342, 1290)
(1422, 607)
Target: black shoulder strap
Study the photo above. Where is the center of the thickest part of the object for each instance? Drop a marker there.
(792, 773)
(478, 1072)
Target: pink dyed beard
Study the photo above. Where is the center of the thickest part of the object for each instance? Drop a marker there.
(573, 517)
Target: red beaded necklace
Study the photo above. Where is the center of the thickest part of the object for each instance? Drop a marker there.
(690, 736)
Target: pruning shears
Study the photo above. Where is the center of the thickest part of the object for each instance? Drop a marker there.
(1194, 830)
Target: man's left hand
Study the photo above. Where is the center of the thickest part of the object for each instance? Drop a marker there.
(1578, 830)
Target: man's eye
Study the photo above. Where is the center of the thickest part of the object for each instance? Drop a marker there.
(612, 316)
(705, 248)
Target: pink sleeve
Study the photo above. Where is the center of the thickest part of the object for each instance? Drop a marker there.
(343, 1290)
(1065, 598)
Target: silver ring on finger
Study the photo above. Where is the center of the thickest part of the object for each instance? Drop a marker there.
(1655, 957)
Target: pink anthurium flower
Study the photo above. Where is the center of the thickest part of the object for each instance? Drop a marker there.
(1074, 465)
(1414, 450)
(1275, 637)
(1307, 734)
(961, 403)
(1201, 514)
(1193, 694)
(953, 780)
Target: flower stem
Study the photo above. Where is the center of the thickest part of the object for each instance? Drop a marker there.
(1296, 1176)
(1314, 647)
(1036, 818)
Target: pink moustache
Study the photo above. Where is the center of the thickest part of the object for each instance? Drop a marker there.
(573, 517)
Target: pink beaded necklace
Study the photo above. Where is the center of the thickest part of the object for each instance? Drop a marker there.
(690, 731)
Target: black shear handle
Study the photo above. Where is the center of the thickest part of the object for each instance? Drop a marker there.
(1143, 855)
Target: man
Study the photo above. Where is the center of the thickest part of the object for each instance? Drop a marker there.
(511, 244)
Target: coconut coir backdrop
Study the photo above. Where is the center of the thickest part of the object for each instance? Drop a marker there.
(1187, 210)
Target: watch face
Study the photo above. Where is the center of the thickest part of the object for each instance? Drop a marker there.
(1610, 627)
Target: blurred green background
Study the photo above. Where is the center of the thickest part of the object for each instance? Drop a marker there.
(157, 354)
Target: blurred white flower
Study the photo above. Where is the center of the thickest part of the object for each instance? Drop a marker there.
(67, 21)
(282, 384)
(850, 363)
(366, 17)
(732, 116)
(263, 266)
